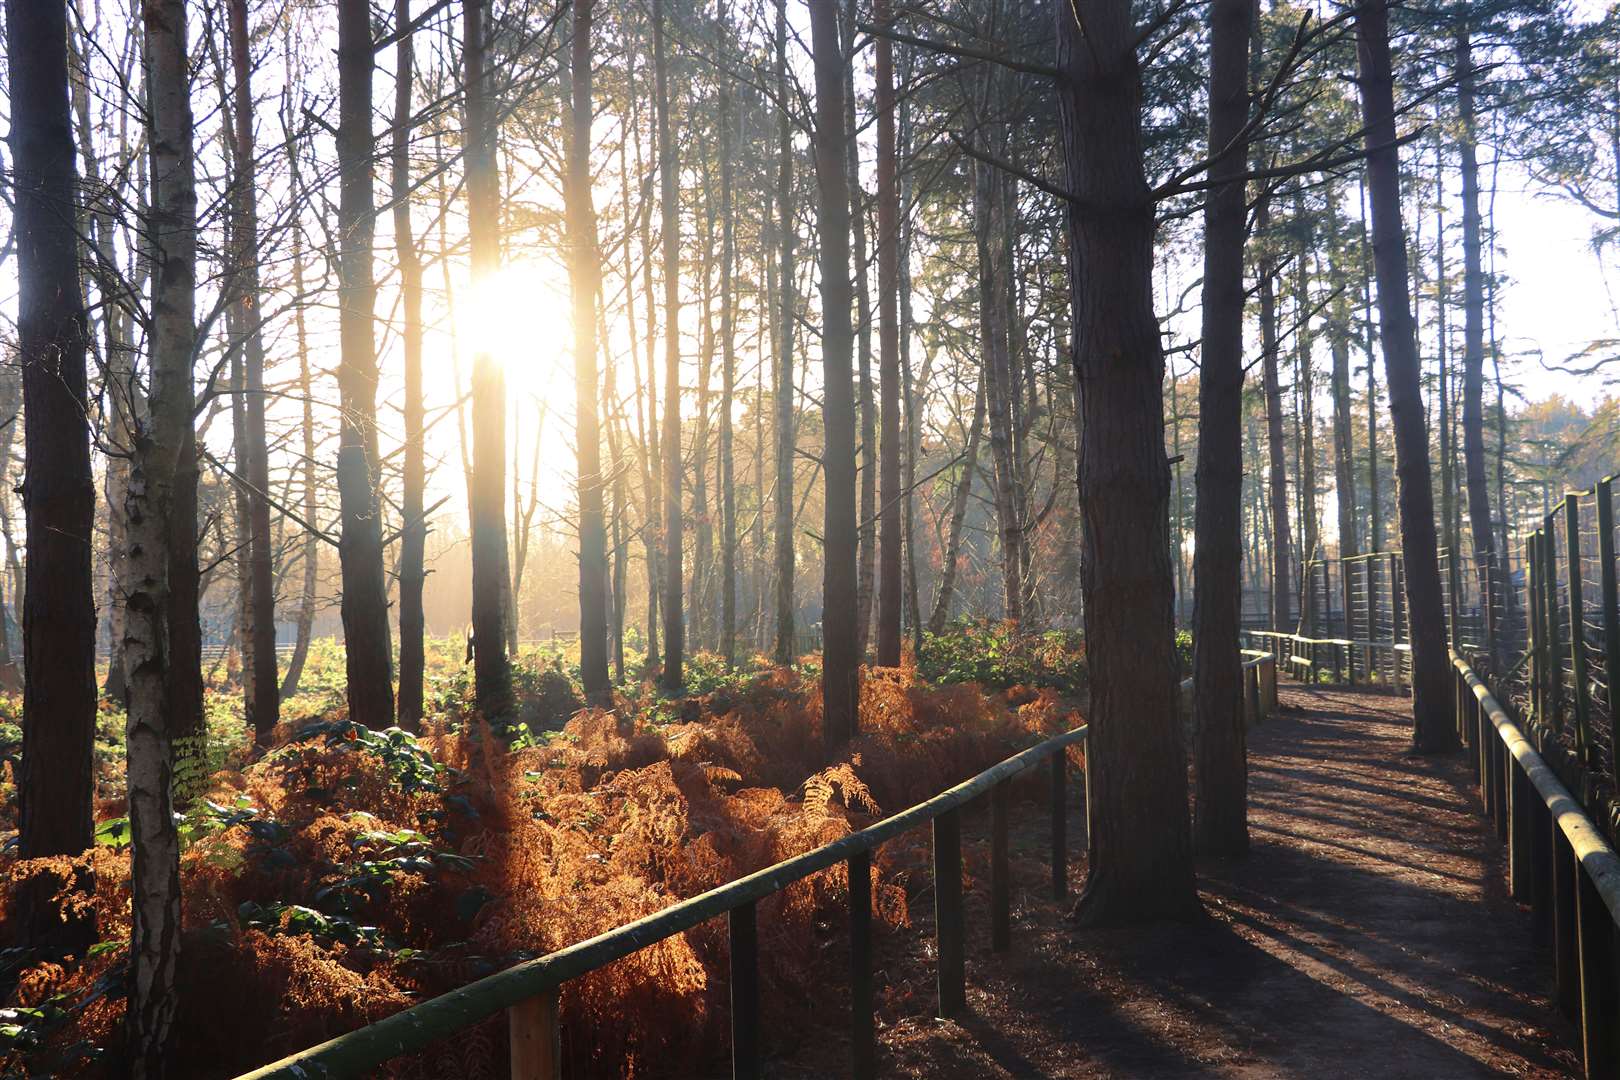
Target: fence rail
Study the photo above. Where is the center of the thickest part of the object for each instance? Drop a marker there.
(528, 992)
(1559, 862)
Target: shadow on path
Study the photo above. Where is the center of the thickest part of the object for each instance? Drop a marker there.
(1368, 934)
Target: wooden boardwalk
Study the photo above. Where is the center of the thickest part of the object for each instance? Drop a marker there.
(1368, 934)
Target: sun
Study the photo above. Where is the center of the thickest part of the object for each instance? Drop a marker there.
(521, 317)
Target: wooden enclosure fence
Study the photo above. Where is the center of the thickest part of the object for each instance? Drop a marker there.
(528, 991)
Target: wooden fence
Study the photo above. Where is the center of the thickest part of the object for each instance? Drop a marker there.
(1559, 862)
(528, 992)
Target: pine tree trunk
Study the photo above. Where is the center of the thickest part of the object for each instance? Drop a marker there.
(669, 203)
(263, 705)
(728, 369)
(993, 270)
(414, 530)
(1306, 495)
(1276, 445)
(1344, 444)
(491, 585)
(840, 673)
(786, 442)
(890, 585)
(1432, 724)
(1375, 505)
(959, 500)
(56, 779)
(585, 277)
(160, 452)
(310, 558)
(1221, 816)
(1141, 854)
(1473, 418)
(365, 590)
(865, 589)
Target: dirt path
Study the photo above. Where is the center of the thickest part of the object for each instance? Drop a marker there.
(1368, 934)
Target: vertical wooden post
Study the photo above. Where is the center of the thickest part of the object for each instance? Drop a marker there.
(1397, 609)
(862, 1050)
(1000, 879)
(1611, 608)
(1555, 665)
(1541, 871)
(534, 1038)
(744, 992)
(948, 912)
(1060, 822)
(1523, 799)
(1251, 693)
(1600, 996)
(1532, 585)
(1566, 954)
(1577, 629)
(1503, 763)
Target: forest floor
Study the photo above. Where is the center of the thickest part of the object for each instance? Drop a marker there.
(1368, 933)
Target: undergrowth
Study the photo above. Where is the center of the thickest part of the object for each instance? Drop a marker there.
(347, 873)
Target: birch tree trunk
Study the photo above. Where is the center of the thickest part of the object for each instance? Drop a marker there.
(160, 447)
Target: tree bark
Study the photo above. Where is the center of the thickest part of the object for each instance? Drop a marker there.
(56, 780)
(1473, 418)
(840, 673)
(1282, 594)
(890, 585)
(728, 366)
(263, 706)
(1221, 816)
(1309, 520)
(490, 585)
(786, 442)
(414, 529)
(311, 555)
(1141, 856)
(959, 500)
(993, 271)
(669, 203)
(368, 663)
(585, 278)
(160, 450)
(1433, 728)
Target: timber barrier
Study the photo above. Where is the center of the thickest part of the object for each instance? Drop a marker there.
(528, 991)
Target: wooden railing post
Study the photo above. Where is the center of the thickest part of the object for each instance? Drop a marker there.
(1251, 693)
(1060, 821)
(1577, 629)
(1397, 607)
(535, 1039)
(1566, 952)
(1555, 665)
(1000, 880)
(1611, 609)
(948, 912)
(862, 1028)
(1522, 800)
(1541, 873)
(1600, 1001)
(744, 933)
(1532, 587)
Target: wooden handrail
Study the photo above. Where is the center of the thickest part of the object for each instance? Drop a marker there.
(1558, 861)
(1595, 854)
